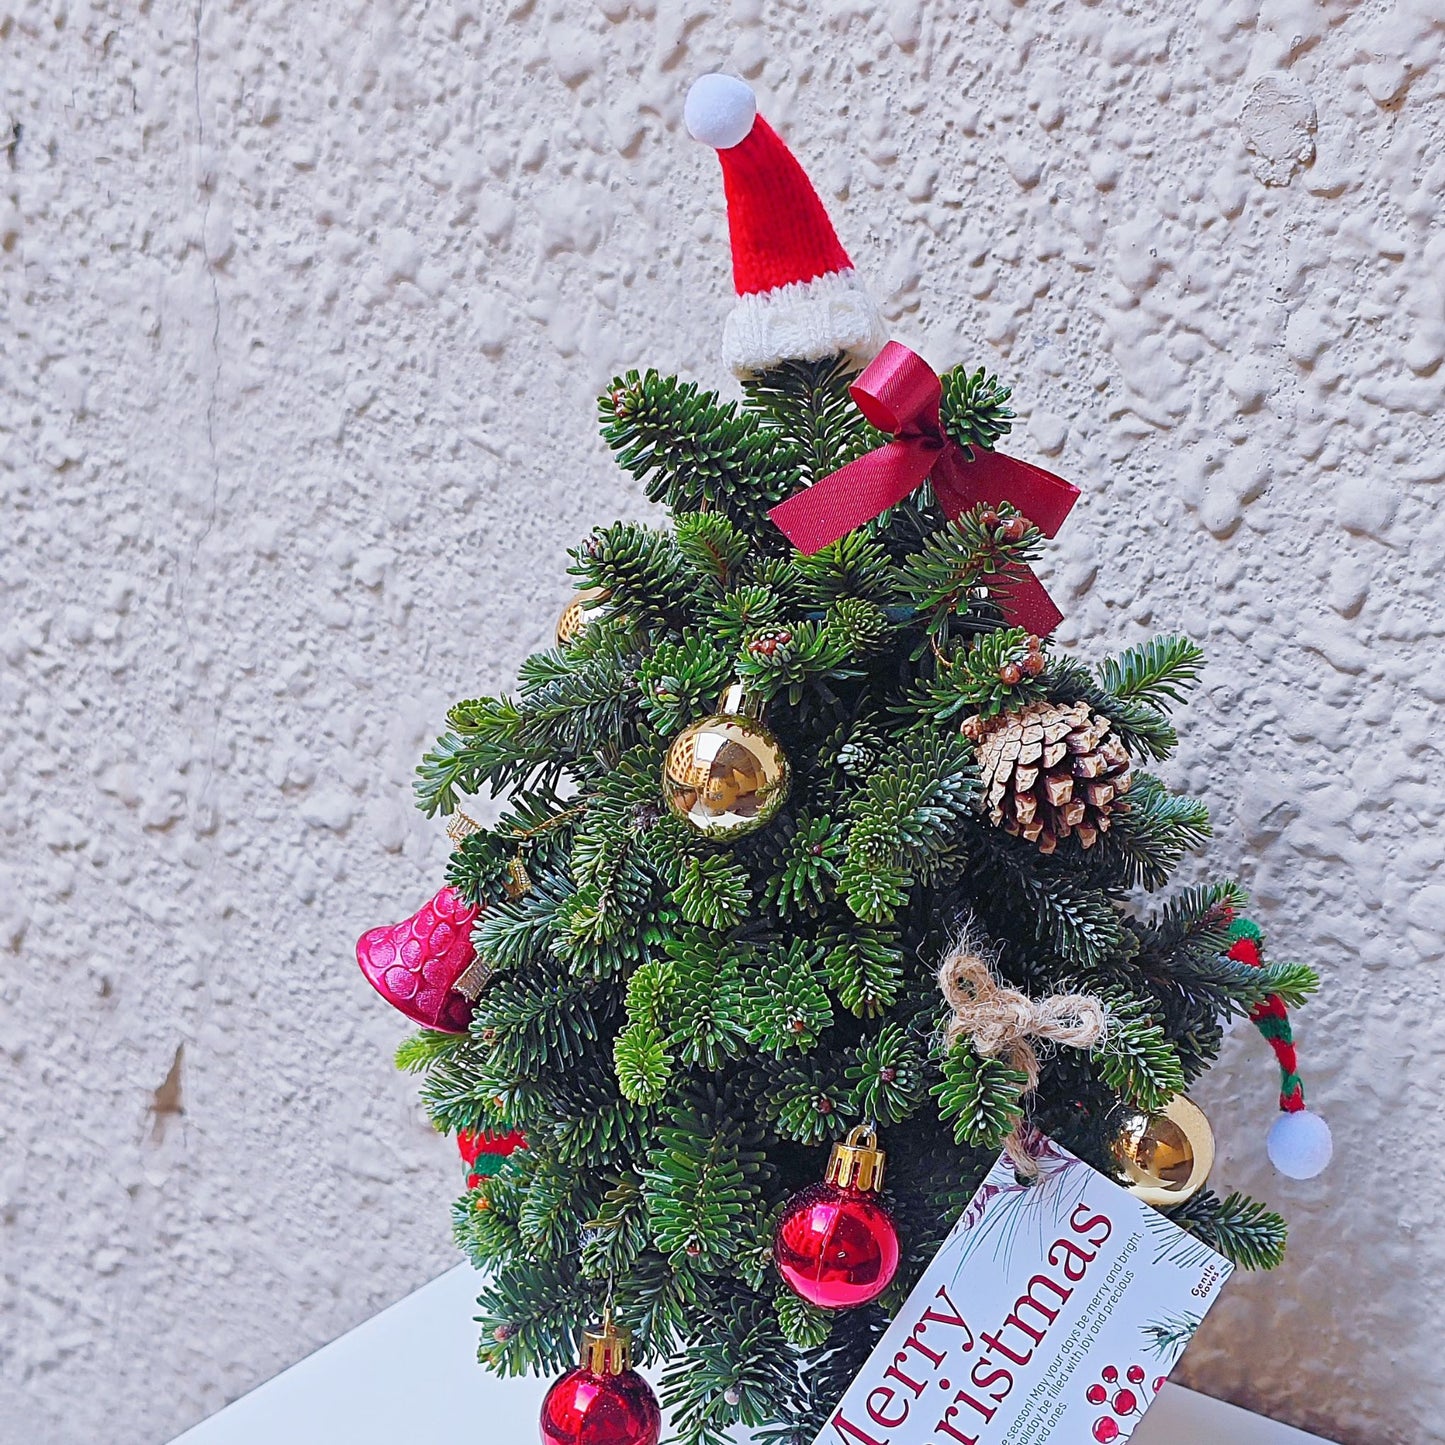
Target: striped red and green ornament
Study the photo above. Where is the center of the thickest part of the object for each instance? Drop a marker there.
(1299, 1142)
(484, 1153)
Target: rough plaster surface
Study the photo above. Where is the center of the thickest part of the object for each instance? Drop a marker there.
(302, 310)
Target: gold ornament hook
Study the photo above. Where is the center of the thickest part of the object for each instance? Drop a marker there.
(608, 1349)
(858, 1162)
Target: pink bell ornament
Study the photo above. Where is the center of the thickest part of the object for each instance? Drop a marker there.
(425, 966)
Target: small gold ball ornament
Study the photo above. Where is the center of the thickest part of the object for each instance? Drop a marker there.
(727, 775)
(1165, 1158)
(578, 613)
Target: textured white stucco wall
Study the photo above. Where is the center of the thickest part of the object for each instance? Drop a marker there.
(302, 311)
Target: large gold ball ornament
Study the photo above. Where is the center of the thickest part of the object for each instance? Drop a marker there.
(1165, 1158)
(726, 775)
(578, 613)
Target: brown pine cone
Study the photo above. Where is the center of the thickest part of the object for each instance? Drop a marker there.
(1051, 771)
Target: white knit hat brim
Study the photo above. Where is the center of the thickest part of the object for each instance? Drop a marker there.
(802, 322)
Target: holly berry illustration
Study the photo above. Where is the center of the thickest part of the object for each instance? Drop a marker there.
(1126, 1400)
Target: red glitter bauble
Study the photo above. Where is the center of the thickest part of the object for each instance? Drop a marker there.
(585, 1408)
(836, 1246)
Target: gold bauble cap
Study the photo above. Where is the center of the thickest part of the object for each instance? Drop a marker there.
(607, 1350)
(737, 701)
(1165, 1158)
(857, 1163)
(460, 827)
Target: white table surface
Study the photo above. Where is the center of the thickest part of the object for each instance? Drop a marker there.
(410, 1374)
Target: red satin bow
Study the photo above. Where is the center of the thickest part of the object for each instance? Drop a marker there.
(899, 393)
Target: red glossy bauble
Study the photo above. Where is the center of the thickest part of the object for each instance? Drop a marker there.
(836, 1247)
(588, 1408)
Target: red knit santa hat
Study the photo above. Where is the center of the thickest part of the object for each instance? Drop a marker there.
(798, 295)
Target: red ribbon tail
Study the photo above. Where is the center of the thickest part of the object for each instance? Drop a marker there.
(1042, 497)
(834, 506)
(1024, 601)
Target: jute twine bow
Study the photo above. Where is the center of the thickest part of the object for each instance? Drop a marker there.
(1004, 1023)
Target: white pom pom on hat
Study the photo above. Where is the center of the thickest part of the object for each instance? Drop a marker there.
(720, 110)
(799, 298)
(1300, 1144)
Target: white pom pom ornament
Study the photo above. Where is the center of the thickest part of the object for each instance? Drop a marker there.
(720, 110)
(1299, 1144)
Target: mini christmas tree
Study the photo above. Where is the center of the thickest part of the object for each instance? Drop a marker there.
(755, 796)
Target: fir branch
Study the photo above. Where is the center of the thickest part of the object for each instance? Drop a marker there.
(904, 820)
(642, 571)
(614, 1239)
(680, 681)
(806, 1102)
(712, 889)
(1240, 1228)
(712, 546)
(789, 660)
(810, 856)
(707, 1023)
(785, 1004)
(1157, 673)
(557, 1196)
(858, 628)
(642, 1063)
(981, 1095)
(886, 1074)
(745, 612)
(975, 408)
(703, 1187)
(1136, 1057)
(1195, 920)
(580, 701)
(856, 566)
(524, 930)
(864, 967)
(979, 679)
(1150, 838)
(543, 1017)
(596, 1128)
(742, 1375)
(804, 1326)
(660, 1300)
(418, 1052)
(1143, 729)
(693, 451)
(978, 549)
(528, 1311)
(1049, 899)
(496, 757)
(809, 405)
(459, 1091)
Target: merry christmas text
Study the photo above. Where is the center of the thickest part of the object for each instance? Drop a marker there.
(924, 1359)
